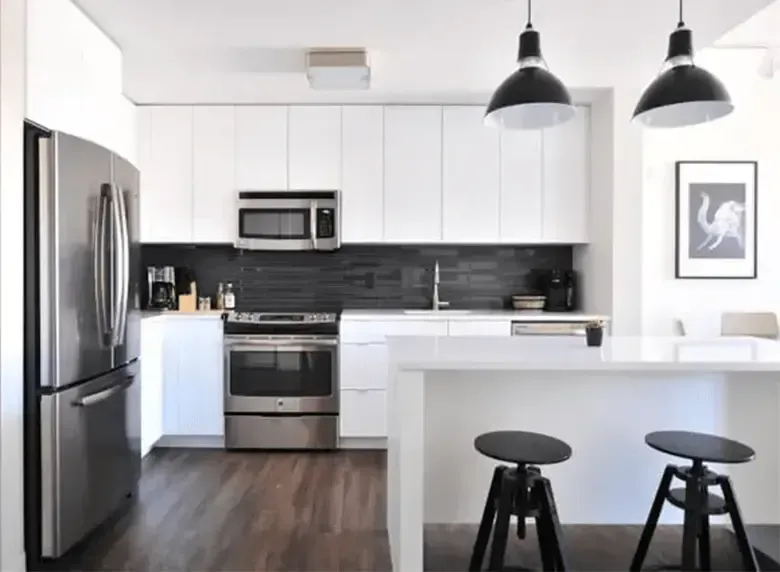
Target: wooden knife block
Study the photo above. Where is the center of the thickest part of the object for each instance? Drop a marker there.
(189, 302)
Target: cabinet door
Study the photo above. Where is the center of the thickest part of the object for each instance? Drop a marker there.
(315, 147)
(201, 377)
(566, 178)
(470, 177)
(172, 387)
(413, 174)
(362, 165)
(480, 328)
(363, 413)
(363, 366)
(214, 182)
(152, 340)
(166, 190)
(521, 187)
(145, 166)
(261, 147)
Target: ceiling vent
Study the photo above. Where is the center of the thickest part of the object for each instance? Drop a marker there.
(338, 69)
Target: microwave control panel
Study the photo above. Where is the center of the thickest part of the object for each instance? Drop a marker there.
(326, 223)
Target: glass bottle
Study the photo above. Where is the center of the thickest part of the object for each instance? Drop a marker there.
(220, 302)
(229, 297)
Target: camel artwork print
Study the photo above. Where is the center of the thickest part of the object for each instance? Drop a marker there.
(716, 219)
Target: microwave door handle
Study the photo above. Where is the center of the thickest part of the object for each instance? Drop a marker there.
(313, 224)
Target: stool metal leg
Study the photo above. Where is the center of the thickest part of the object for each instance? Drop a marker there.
(486, 524)
(692, 517)
(501, 530)
(705, 554)
(748, 554)
(652, 519)
(544, 533)
(550, 514)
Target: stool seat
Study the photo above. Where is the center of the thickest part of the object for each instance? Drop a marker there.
(522, 447)
(700, 447)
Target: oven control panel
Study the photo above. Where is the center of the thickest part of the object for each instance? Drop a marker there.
(281, 319)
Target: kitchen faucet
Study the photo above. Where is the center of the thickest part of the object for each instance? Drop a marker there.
(438, 304)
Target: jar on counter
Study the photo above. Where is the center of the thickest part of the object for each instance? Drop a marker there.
(229, 299)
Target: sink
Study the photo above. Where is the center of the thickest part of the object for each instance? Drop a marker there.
(443, 311)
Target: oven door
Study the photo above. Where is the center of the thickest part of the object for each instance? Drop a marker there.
(291, 374)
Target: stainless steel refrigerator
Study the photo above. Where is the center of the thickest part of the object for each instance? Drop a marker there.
(82, 338)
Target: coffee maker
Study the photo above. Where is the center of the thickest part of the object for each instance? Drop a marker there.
(559, 287)
(162, 288)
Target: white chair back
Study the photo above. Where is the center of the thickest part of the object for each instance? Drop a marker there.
(756, 324)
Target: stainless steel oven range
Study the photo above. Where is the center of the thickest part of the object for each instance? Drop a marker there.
(281, 380)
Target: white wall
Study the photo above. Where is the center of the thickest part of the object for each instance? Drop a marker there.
(609, 267)
(74, 78)
(12, 87)
(750, 133)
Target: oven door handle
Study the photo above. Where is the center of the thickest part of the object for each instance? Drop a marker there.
(297, 347)
(265, 342)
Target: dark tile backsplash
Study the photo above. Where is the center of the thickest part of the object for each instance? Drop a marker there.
(365, 276)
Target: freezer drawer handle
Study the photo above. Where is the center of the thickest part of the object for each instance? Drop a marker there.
(99, 396)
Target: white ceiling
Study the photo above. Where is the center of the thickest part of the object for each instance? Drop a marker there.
(226, 51)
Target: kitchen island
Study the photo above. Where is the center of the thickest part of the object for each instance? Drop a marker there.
(443, 392)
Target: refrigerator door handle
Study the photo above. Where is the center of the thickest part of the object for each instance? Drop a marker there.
(121, 265)
(99, 268)
(97, 397)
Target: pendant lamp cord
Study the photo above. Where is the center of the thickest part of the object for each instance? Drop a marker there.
(680, 22)
(528, 25)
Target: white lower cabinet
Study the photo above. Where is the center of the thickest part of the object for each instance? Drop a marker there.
(152, 335)
(193, 377)
(363, 366)
(363, 413)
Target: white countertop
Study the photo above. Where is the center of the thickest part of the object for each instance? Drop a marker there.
(567, 353)
(175, 314)
(380, 314)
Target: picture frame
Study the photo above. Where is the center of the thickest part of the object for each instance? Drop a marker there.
(716, 220)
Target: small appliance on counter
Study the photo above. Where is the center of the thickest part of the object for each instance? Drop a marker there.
(559, 287)
(162, 288)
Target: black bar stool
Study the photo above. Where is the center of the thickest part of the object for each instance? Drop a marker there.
(695, 498)
(521, 491)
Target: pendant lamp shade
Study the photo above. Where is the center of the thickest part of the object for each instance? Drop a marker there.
(683, 94)
(532, 97)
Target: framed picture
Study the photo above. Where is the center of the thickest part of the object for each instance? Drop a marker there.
(716, 212)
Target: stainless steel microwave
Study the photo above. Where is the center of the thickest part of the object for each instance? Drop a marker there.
(288, 220)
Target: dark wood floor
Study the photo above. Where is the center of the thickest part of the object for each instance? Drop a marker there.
(213, 510)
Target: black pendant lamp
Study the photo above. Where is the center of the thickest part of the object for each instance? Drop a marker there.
(683, 94)
(532, 97)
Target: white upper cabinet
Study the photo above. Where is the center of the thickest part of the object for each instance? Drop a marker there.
(214, 175)
(314, 160)
(413, 182)
(470, 174)
(521, 187)
(566, 180)
(362, 183)
(261, 148)
(166, 179)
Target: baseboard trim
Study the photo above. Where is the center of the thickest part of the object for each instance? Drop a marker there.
(191, 441)
(363, 443)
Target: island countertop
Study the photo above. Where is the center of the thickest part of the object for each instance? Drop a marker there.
(641, 353)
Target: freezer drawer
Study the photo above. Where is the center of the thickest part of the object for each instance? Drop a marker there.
(90, 456)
